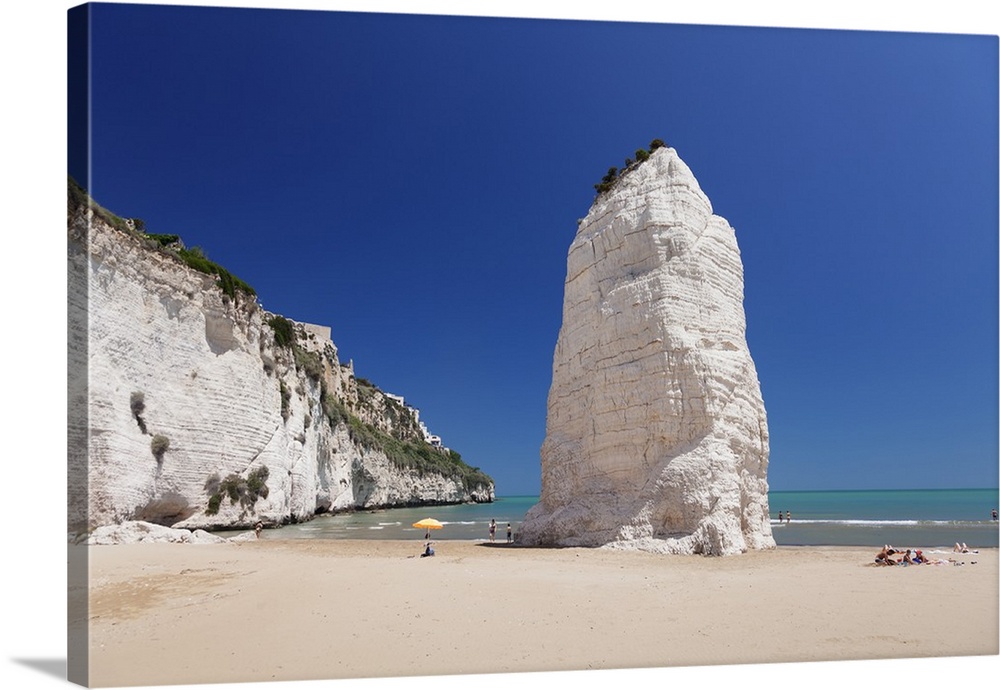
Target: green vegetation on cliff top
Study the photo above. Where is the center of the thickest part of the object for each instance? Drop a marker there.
(614, 174)
(170, 245)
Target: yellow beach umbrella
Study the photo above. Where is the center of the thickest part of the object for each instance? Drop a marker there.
(428, 524)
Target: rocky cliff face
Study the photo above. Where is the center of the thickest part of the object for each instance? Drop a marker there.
(192, 403)
(656, 433)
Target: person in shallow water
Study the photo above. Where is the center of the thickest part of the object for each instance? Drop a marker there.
(493, 529)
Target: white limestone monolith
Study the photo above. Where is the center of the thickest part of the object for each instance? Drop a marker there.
(656, 434)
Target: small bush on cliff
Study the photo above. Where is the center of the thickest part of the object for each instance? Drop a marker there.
(195, 258)
(284, 331)
(137, 403)
(239, 490)
(308, 362)
(164, 240)
(214, 501)
(257, 483)
(335, 411)
(286, 399)
(230, 283)
(607, 182)
(159, 445)
(212, 488)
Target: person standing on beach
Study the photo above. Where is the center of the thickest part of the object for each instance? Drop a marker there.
(257, 528)
(510, 534)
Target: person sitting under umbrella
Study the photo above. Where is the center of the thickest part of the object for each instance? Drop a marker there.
(427, 524)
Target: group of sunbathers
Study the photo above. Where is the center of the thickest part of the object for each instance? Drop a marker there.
(908, 557)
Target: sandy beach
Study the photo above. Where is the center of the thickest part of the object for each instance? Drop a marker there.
(273, 610)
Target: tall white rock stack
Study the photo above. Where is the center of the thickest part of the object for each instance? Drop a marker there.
(656, 434)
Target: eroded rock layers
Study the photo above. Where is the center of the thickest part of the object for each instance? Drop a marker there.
(195, 412)
(656, 433)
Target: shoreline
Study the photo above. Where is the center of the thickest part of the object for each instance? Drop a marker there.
(287, 610)
(923, 517)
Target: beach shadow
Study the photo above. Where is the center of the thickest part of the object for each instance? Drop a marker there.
(522, 547)
(50, 667)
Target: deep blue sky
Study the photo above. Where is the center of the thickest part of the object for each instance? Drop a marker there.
(414, 182)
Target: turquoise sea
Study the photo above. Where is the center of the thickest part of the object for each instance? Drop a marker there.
(909, 518)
